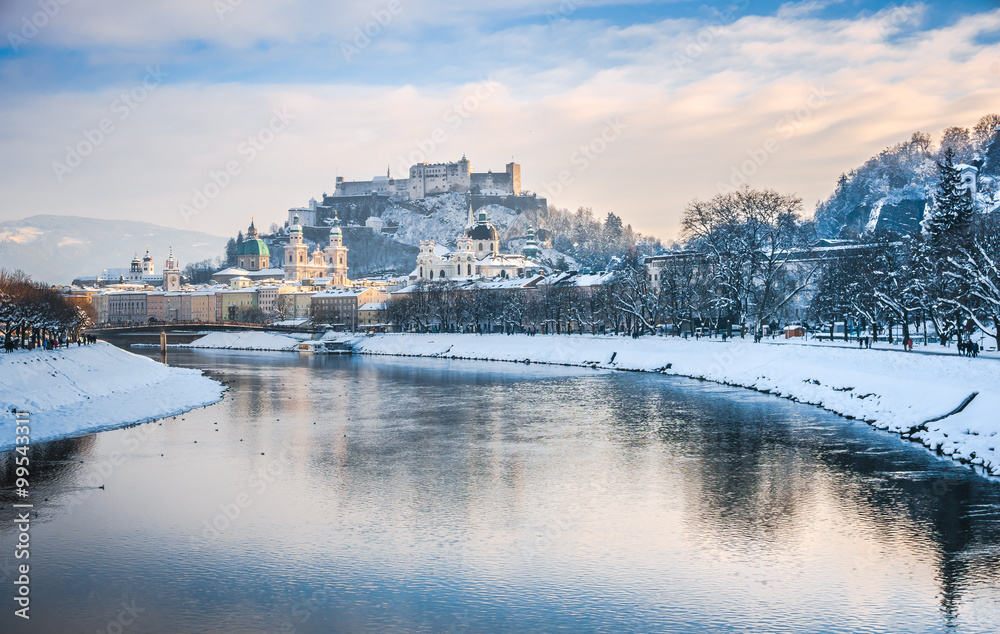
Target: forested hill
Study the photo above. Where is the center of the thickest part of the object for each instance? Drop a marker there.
(892, 190)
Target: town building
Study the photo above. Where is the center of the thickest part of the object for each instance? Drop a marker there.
(339, 307)
(127, 307)
(372, 315)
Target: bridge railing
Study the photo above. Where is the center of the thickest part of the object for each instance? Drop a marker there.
(159, 325)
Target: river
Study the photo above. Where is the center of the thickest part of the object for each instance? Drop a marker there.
(386, 494)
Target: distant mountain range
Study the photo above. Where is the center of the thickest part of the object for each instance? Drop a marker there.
(56, 249)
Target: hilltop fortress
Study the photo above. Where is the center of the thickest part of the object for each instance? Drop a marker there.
(360, 201)
(427, 179)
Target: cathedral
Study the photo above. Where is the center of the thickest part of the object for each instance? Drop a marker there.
(253, 254)
(477, 253)
(330, 263)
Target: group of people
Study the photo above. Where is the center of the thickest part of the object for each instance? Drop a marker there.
(10, 344)
(968, 348)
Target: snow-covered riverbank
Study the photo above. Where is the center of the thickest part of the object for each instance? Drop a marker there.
(261, 341)
(892, 390)
(84, 389)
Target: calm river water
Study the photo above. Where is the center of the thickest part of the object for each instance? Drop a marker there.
(381, 494)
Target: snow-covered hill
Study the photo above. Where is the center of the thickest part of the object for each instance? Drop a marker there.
(56, 249)
(893, 190)
(442, 218)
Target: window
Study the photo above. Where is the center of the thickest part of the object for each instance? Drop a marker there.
(480, 246)
(442, 274)
(470, 269)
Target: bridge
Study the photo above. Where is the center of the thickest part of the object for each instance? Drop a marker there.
(196, 326)
(184, 332)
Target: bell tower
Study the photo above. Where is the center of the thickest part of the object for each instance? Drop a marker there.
(296, 253)
(336, 253)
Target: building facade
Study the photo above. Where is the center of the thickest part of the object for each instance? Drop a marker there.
(339, 307)
(330, 263)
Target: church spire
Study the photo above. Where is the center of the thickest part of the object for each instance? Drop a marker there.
(472, 219)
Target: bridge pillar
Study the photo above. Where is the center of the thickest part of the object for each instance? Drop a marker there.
(163, 341)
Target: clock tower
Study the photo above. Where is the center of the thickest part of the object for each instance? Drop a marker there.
(171, 273)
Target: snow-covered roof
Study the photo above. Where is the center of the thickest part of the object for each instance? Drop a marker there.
(374, 306)
(265, 273)
(342, 292)
(232, 271)
(572, 278)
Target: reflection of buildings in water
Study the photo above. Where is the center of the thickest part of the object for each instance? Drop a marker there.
(374, 453)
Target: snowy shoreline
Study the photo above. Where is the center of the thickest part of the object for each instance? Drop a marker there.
(81, 390)
(925, 398)
(257, 341)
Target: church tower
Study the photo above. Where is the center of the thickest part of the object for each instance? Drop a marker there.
(296, 253)
(147, 263)
(171, 274)
(135, 269)
(464, 257)
(336, 253)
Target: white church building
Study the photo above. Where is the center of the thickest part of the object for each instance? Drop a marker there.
(477, 253)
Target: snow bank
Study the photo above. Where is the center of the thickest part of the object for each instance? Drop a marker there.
(92, 388)
(892, 390)
(245, 341)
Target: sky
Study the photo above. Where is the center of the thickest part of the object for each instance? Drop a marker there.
(197, 114)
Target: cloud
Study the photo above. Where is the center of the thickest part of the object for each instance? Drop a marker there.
(694, 101)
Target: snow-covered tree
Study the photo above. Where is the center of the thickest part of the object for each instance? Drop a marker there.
(750, 237)
(952, 214)
(977, 270)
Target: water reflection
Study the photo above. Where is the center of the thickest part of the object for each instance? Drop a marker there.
(411, 494)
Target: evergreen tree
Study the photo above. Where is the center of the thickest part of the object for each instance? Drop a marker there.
(950, 223)
(231, 247)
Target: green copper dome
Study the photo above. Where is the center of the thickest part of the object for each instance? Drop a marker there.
(253, 247)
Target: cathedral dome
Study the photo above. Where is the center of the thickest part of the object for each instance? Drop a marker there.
(483, 232)
(253, 247)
